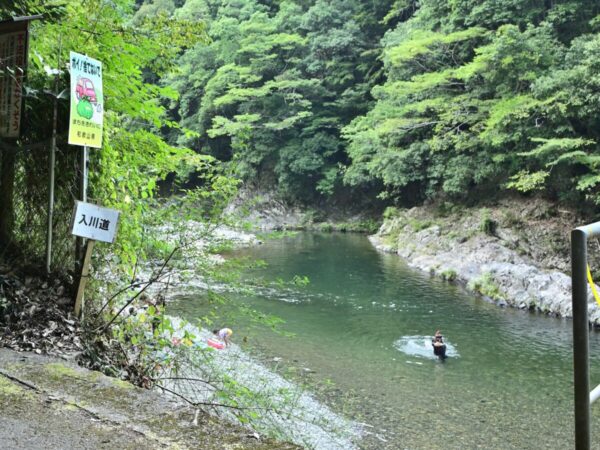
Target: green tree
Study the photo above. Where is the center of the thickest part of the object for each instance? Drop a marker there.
(133, 159)
(276, 85)
(475, 91)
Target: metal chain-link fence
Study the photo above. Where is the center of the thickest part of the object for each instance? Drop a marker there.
(31, 205)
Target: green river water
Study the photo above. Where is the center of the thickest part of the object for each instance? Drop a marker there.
(363, 322)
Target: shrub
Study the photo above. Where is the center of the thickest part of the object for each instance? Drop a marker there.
(325, 227)
(391, 212)
(511, 219)
(449, 275)
(487, 225)
(418, 225)
(485, 285)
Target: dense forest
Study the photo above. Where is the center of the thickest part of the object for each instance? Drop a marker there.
(403, 100)
(326, 101)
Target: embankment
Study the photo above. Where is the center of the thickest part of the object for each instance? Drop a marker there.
(515, 253)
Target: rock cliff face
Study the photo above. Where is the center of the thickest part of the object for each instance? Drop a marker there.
(265, 212)
(515, 253)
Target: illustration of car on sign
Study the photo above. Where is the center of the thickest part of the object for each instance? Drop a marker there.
(85, 88)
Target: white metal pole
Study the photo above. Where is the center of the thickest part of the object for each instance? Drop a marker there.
(85, 162)
(51, 165)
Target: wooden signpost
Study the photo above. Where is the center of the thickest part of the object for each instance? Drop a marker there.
(95, 224)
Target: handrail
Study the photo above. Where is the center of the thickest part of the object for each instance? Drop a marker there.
(581, 363)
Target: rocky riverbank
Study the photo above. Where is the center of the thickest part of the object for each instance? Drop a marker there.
(264, 212)
(286, 411)
(515, 253)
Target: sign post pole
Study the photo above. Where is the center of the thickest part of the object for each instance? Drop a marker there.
(50, 202)
(84, 173)
(83, 184)
(83, 277)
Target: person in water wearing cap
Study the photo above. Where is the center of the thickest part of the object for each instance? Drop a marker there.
(439, 348)
(224, 334)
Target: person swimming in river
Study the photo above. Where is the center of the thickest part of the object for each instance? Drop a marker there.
(439, 347)
(224, 334)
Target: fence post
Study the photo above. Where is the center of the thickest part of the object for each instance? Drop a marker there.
(581, 367)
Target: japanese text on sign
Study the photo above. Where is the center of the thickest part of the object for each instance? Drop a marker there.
(94, 222)
(13, 47)
(87, 103)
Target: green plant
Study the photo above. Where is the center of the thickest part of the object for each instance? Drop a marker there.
(487, 225)
(485, 285)
(449, 275)
(391, 212)
(276, 234)
(391, 241)
(452, 235)
(325, 227)
(447, 208)
(512, 219)
(419, 224)
(369, 226)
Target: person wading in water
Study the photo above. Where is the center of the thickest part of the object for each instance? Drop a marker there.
(439, 348)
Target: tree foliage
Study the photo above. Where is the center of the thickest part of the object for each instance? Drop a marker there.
(275, 86)
(483, 95)
(412, 100)
(134, 157)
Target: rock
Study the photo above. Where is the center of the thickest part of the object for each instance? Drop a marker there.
(526, 276)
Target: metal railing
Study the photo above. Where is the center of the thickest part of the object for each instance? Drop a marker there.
(581, 364)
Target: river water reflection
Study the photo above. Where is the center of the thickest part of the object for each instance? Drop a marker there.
(361, 321)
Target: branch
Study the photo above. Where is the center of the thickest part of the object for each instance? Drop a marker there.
(420, 125)
(214, 405)
(130, 286)
(187, 379)
(132, 299)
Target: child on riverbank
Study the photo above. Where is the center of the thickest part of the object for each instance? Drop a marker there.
(224, 334)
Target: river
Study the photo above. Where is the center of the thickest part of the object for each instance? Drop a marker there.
(363, 322)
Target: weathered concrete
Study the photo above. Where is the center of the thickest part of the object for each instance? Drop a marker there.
(50, 403)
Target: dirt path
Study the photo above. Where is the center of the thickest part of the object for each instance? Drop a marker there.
(50, 403)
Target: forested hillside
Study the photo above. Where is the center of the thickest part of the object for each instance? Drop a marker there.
(402, 100)
(277, 84)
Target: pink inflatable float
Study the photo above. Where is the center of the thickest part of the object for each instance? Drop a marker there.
(215, 343)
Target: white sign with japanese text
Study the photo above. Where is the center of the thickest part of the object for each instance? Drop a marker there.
(94, 222)
(87, 103)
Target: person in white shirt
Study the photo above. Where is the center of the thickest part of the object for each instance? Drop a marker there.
(224, 334)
